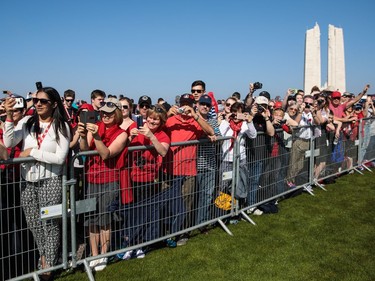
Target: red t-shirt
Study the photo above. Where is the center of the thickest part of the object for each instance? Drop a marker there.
(338, 111)
(182, 160)
(104, 171)
(146, 163)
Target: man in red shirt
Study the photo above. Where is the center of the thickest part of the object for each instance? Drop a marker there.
(338, 108)
(182, 160)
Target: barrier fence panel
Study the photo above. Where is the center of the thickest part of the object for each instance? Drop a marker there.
(367, 142)
(147, 202)
(31, 232)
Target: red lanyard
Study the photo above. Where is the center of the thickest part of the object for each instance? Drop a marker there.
(41, 138)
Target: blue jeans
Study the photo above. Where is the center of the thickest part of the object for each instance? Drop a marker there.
(255, 171)
(206, 188)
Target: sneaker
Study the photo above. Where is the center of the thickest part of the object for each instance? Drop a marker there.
(102, 264)
(171, 243)
(125, 256)
(140, 254)
(94, 263)
(182, 241)
(257, 212)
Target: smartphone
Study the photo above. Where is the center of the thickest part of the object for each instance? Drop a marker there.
(241, 116)
(38, 85)
(139, 122)
(19, 103)
(5, 92)
(87, 117)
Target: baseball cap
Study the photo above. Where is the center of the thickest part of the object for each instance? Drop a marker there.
(145, 99)
(110, 105)
(329, 89)
(278, 104)
(336, 94)
(205, 99)
(187, 99)
(357, 106)
(261, 100)
(265, 94)
(347, 94)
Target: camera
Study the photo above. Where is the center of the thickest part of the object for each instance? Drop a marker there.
(320, 102)
(257, 85)
(180, 110)
(19, 103)
(282, 122)
(260, 108)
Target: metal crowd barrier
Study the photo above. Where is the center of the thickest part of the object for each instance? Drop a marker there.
(139, 213)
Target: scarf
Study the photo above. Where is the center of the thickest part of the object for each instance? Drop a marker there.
(236, 128)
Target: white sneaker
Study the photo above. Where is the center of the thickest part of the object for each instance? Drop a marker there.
(102, 264)
(257, 212)
(140, 254)
(94, 263)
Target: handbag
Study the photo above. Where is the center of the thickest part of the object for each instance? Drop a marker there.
(224, 201)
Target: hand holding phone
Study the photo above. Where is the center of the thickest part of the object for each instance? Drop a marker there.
(139, 122)
(87, 117)
(38, 85)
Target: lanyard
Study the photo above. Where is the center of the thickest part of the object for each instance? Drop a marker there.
(41, 138)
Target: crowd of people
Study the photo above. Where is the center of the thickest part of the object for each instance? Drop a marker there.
(273, 136)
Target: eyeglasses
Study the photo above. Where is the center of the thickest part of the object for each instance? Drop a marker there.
(109, 104)
(42, 101)
(196, 91)
(125, 107)
(205, 104)
(228, 104)
(145, 105)
(69, 100)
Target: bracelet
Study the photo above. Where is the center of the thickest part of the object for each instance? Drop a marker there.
(8, 120)
(196, 119)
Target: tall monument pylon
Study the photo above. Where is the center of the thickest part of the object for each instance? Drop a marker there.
(336, 59)
(312, 71)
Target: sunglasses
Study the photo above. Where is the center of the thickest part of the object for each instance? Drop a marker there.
(205, 104)
(292, 108)
(42, 101)
(196, 91)
(308, 104)
(144, 106)
(336, 98)
(109, 104)
(158, 109)
(228, 104)
(125, 107)
(69, 100)
(29, 99)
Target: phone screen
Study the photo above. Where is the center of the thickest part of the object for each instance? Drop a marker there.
(139, 122)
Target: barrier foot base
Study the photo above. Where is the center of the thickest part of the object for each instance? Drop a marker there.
(309, 189)
(358, 171)
(246, 217)
(225, 227)
(319, 185)
(88, 270)
(367, 168)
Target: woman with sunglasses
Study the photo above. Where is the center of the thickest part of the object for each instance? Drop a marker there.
(128, 123)
(46, 136)
(224, 115)
(146, 165)
(109, 140)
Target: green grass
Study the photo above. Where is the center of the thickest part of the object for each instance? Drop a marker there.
(327, 237)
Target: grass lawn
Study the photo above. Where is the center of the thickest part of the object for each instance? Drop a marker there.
(330, 236)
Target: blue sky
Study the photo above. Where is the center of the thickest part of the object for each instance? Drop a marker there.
(160, 47)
